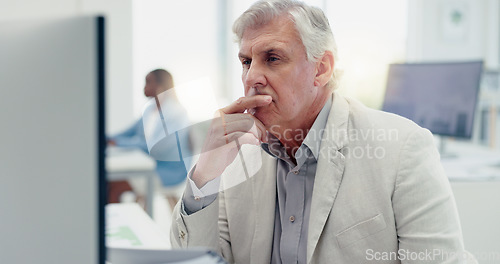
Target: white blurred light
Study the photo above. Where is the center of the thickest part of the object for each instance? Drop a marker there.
(198, 98)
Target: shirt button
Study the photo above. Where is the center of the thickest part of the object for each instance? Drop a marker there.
(292, 218)
(197, 198)
(295, 172)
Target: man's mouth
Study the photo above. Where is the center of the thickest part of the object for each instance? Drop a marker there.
(254, 91)
(251, 92)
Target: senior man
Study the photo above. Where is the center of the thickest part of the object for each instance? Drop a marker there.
(334, 181)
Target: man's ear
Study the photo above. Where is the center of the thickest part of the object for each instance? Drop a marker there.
(324, 69)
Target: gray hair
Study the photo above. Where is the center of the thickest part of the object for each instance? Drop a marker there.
(310, 22)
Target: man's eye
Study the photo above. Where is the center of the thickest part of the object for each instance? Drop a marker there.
(246, 62)
(273, 59)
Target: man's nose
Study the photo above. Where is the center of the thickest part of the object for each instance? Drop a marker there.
(255, 76)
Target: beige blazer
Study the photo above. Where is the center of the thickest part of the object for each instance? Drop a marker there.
(380, 196)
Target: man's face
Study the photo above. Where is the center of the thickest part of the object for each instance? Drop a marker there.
(151, 86)
(275, 63)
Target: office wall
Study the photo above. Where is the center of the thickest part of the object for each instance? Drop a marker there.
(478, 38)
(479, 209)
(119, 100)
(181, 36)
(118, 45)
(370, 35)
(431, 40)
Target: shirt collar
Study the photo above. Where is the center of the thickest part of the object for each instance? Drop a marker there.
(312, 140)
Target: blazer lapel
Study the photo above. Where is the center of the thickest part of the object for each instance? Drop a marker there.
(264, 205)
(329, 171)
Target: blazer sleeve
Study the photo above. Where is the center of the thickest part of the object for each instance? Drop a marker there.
(424, 206)
(207, 227)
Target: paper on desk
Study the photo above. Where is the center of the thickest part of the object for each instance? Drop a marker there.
(151, 256)
(133, 238)
(128, 226)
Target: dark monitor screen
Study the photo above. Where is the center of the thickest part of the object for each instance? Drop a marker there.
(438, 96)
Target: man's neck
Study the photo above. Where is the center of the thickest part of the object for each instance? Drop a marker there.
(292, 135)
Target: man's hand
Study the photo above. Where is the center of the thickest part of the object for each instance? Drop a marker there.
(230, 126)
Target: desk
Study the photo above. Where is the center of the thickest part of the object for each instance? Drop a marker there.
(132, 237)
(127, 225)
(474, 176)
(122, 164)
(472, 162)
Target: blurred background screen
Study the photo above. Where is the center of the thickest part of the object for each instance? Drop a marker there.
(438, 96)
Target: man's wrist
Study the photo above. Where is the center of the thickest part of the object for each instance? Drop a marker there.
(198, 180)
(194, 198)
(201, 177)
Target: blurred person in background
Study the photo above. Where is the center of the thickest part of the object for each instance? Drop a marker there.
(171, 173)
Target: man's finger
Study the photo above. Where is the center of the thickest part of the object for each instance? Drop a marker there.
(243, 138)
(244, 103)
(245, 125)
(230, 118)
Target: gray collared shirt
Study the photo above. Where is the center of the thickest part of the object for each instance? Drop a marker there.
(294, 192)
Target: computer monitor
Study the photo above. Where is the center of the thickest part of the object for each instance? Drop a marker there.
(441, 97)
(52, 179)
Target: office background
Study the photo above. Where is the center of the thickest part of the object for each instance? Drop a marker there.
(192, 39)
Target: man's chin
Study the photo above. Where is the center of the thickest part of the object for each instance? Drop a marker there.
(264, 117)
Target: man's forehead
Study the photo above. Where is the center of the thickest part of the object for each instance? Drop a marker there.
(275, 36)
(267, 45)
